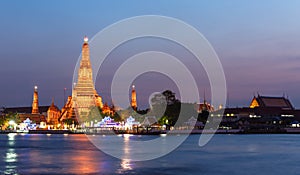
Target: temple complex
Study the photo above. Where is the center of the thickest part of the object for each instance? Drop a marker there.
(38, 114)
(84, 95)
(77, 107)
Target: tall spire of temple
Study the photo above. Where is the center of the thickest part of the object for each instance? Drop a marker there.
(133, 98)
(84, 95)
(85, 71)
(84, 90)
(52, 102)
(35, 101)
(205, 107)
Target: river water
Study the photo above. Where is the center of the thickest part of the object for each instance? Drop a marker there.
(224, 154)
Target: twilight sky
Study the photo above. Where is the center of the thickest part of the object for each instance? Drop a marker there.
(258, 43)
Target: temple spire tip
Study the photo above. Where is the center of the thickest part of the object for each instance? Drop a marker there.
(85, 39)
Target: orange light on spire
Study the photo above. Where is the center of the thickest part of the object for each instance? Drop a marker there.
(133, 98)
(35, 101)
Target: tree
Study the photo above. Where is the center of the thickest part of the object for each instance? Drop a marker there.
(203, 116)
(4, 119)
(164, 120)
(165, 104)
(14, 117)
(158, 99)
(3, 122)
(95, 114)
(170, 97)
(117, 117)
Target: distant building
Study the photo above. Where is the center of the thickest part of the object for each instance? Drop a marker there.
(36, 113)
(261, 111)
(205, 106)
(133, 98)
(35, 101)
(53, 115)
(276, 102)
(25, 112)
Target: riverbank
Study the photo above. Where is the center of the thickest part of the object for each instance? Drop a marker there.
(158, 132)
(41, 132)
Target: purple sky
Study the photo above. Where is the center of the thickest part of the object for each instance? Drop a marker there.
(258, 43)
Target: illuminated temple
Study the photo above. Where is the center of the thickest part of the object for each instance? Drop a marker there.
(77, 107)
(41, 115)
(84, 93)
(263, 110)
(84, 96)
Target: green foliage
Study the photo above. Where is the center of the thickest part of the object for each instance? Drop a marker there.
(14, 117)
(166, 107)
(95, 114)
(203, 116)
(117, 117)
(9, 117)
(122, 115)
(3, 121)
(170, 97)
(163, 120)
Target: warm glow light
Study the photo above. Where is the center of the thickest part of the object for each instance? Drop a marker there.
(11, 122)
(86, 39)
(133, 86)
(35, 87)
(163, 135)
(126, 136)
(254, 103)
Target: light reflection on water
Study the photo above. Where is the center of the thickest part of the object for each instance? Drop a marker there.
(225, 154)
(126, 164)
(11, 156)
(126, 147)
